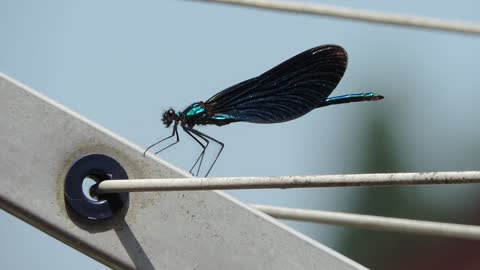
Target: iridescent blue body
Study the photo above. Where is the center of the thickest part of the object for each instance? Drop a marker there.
(286, 92)
(197, 114)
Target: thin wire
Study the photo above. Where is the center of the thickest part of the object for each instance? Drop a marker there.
(374, 222)
(358, 14)
(383, 179)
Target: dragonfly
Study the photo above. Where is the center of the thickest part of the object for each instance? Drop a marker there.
(283, 93)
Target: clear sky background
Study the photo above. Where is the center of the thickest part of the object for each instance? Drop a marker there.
(122, 63)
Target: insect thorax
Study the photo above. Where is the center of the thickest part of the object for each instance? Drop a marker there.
(194, 114)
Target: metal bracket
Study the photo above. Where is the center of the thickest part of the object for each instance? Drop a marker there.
(41, 140)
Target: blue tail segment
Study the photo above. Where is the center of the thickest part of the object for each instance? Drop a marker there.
(351, 98)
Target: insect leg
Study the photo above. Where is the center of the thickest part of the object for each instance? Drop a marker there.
(200, 157)
(206, 137)
(175, 142)
(175, 132)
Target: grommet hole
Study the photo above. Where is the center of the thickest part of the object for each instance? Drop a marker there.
(81, 186)
(89, 185)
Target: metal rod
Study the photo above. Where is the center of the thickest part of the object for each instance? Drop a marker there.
(358, 14)
(374, 222)
(383, 179)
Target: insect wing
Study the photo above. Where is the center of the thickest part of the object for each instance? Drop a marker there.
(287, 91)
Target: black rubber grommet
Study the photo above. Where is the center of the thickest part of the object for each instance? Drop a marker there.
(99, 167)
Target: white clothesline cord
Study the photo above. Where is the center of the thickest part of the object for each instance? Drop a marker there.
(358, 14)
(374, 222)
(342, 180)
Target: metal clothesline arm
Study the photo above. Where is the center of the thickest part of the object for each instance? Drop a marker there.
(345, 219)
(382, 179)
(374, 222)
(358, 14)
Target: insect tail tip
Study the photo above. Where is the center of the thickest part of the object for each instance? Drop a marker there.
(374, 96)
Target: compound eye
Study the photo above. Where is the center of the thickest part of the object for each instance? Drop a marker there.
(170, 114)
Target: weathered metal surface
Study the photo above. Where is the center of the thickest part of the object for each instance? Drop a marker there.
(161, 230)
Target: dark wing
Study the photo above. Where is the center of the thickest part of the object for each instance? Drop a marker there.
(287, 91)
